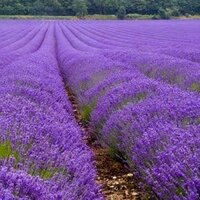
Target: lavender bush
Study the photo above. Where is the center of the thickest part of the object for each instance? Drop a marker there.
(138, 84)
(42, 152)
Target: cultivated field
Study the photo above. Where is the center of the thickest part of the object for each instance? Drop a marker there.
(136, 84)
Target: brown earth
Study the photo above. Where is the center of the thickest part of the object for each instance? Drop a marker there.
(117, 182)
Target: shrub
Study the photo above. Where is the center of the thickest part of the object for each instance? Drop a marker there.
(121, 12)
(80, 8)
(187, 15)
(175, 12)
(163, 14)
(155, 17)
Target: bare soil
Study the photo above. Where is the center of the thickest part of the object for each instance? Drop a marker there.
(117, 182)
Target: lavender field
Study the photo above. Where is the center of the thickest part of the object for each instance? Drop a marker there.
(137, 85)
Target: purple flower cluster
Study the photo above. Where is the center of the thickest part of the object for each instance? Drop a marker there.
(42, 152)
(136, 79)
(139, 83)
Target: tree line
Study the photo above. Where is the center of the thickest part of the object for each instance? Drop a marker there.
(105, 7)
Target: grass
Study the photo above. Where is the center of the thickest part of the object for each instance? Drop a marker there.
(138, 16)
(189, 17)
(101, 17)
(6, 151)
(37, 17)
(90, 17)
(85, 113)
(195, 87)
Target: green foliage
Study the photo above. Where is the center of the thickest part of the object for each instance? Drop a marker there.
(155, 17)
(106, 7)
(163, 14)
(187, 15)
(175, 12)
(101, 17)
(80, 8)
(47, 174)
(195, 87)
(140, 96)
(6, 151)
(112, 149)
(85, 113)
(180, 191)
(121, 14)
(138, 16)
(114, 152)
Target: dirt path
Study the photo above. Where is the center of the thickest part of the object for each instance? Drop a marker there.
(116, 181)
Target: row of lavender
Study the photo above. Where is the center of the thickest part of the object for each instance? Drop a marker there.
(153, 125)
(42, 152)
(153, 48)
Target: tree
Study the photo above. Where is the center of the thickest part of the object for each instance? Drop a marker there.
(111, 6)
(20, 9)
(163, 14)
(80, 8)
(38, 8)
(67, 7)
(164, 8)
(121, 14)
(53, 7)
